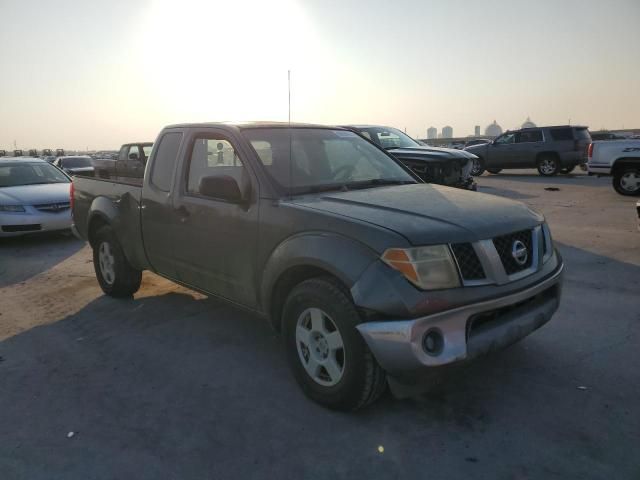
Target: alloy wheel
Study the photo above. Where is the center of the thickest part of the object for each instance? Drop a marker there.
(107, 263)
(630, 181)
(320, 347)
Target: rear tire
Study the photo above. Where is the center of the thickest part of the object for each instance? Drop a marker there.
(626, 181)
(548, 166)
(116, 276)
(477, 168)
(329, 358)
(494, 171)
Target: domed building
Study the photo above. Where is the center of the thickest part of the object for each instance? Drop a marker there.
(493, 130)
(528, 124)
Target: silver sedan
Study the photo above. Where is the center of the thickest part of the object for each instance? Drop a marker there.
(34, 197)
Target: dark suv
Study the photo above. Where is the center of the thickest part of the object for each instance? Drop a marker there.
(549, 149)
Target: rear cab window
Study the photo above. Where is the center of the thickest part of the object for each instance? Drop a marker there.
(165, 160)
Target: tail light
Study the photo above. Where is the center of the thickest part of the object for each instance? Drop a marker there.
(71, 197)
(590, 150)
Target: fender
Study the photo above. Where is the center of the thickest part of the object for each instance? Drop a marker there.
(124, 217)
(340, 256)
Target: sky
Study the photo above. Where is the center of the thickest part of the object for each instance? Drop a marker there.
(95, 74)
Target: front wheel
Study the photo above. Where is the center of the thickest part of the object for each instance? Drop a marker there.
(548, 166)
(477, 168)
(327, 354)
(115, 274)
(627, 182)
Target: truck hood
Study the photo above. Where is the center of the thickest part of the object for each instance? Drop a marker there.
(35, 194)
(428, 214)
(431, 153)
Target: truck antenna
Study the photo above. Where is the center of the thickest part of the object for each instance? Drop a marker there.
(289, 130)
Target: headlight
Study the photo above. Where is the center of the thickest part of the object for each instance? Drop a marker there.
(428, 268)
(11, 208)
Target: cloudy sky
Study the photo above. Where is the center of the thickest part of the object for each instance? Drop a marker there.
(103, 72)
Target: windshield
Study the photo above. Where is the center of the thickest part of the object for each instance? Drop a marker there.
(30, 174)
(388, 137)
(323, 159)
(76, 162)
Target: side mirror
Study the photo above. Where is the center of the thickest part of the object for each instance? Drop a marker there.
(224, 187)
(133, 156)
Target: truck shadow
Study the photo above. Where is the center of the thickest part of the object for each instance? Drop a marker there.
(22, 257)
(178, 384)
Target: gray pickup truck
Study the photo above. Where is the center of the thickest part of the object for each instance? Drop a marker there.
(368, 272)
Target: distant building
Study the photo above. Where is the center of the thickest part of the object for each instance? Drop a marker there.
(476, 131)
(493, 130)
(447, 132)
(432, 132)
(528, 124)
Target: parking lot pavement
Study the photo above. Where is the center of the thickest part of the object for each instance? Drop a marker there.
(172, 384)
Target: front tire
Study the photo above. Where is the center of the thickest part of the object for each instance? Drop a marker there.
(477, 168)
(328, 357)
(116, 276)
(548, 166)
(627, 181)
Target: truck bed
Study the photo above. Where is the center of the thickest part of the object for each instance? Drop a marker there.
(121, 202)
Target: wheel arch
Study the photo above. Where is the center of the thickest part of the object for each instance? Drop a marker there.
(624, 162)
(306, 256)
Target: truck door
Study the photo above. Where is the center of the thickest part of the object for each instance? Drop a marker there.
(158, 220)
(528, 145)
(217, 239)
(501, 153)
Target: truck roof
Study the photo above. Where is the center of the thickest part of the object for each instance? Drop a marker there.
(253, 124)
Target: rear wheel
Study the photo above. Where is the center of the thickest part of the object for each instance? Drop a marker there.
(115, 274)
(548, 166)
(494, 170)
(567, 170)
(327, 354)
(626, 181)
(477, 168)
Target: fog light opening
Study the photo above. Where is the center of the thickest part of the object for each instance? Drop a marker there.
(433, 342)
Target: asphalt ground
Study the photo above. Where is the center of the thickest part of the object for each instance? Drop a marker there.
(175, 385)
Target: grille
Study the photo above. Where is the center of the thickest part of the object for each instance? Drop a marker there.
(468, 261)
(21, 228)
(504, 245)
(53, 207)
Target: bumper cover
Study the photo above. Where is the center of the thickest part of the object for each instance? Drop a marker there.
(467, 331)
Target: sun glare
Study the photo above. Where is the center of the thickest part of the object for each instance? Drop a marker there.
(224, 60)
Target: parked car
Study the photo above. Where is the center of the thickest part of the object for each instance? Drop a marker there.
(59, 152)
(552, 150)
(620, 160)
(3, 153)
(49, 159)
(366, 270)
(444, 166)
(128, 165)
(75, 165)
(33, 153)
(34, 197)
(18, 153)
(47, 152)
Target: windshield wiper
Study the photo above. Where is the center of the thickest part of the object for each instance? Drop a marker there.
(377, 182)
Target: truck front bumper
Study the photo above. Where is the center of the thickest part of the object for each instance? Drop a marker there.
(403, 346)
